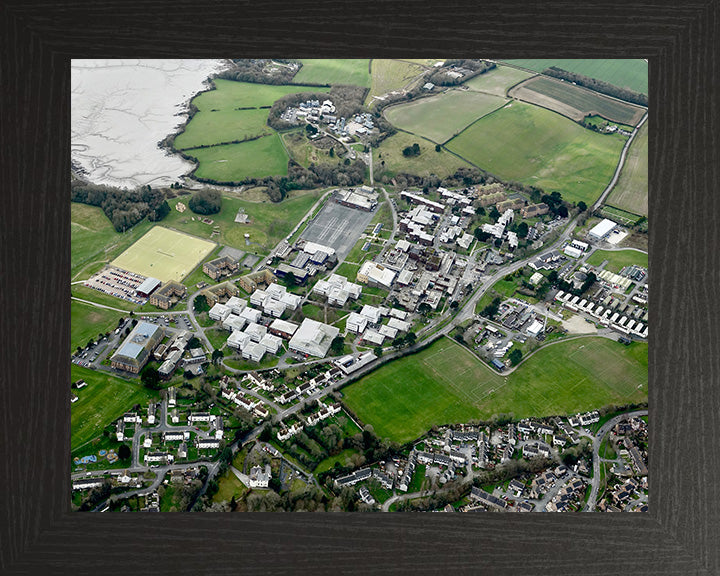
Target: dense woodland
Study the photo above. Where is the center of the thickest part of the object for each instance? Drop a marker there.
(259, 71)
(440, 77)
(598, 85)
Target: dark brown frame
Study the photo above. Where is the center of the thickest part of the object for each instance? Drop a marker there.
(681, 533)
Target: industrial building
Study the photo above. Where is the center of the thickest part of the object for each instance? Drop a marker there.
(137, 347)
(601, 230)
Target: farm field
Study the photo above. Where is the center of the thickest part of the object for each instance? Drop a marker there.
(215, 126)
(93, 237)
(237, 162)
(498, 80)
(445, 383)
(230, 95)
(541, 148)
(334, 71)
(575, 102)
(618, 259)
(626, 73)
(269, 222)
(429, 162)
(87, 322)
(439, 118)
(164, 254)
(389, 75)
(631, 191)
(102, 401)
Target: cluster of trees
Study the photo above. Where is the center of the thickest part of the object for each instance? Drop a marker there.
(95, 496)
(260, 71)
(123, 207)
(515, 356)
(413, 150)
(407, 340)
(598, 85)
(201, 304)
(206, 202)
(566, 286)
(491, 310)
(555, 203)
(440, 77)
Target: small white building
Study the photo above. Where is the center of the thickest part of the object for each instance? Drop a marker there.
(219, 312)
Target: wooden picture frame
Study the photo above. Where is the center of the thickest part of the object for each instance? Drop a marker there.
(681, 532)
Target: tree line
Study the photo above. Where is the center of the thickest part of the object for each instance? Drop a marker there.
(598, 85)
(254, 70)
(440, 76)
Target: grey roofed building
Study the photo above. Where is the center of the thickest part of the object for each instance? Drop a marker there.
(313, 338)
(137, 347)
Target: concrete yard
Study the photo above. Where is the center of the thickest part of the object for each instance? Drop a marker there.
(338, 227)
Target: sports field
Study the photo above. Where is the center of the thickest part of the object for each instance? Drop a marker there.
(498, 80)
(631, 191)
(334, 71)
(541, 148)
(631, 74)
(236, 162)
(269, 222)
(389, 160)
(389, 75)
(440, 117)
(87, 321)
(618, 259)
(102, 401)
(575, 102)
(445, 383)
(164, 254)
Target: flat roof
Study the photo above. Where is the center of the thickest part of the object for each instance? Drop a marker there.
(137, 340)
(148, 285)
(602, 228)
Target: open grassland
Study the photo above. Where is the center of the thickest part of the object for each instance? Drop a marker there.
(631, 74)
(87, 321)
(258, 158)
(439, 118)
(445, 383)
(631, 191)
(343, 458)
(230, 95)
(229, 487)
(575, 102)
(498, 80)
(269, 222)
(538, 147)
(216, 126)
(334, 71)
(102, 401)
(388, 158)
(164, 254)
(618, 259)
(93, 238)
(389, 75)
(305, 153)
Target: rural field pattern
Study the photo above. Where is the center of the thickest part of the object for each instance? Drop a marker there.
(631, 191)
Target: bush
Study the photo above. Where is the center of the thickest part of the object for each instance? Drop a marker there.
(206, 202)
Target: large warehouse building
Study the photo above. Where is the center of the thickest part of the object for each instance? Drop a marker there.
(135, 351)
(313, 338)
(601, 229)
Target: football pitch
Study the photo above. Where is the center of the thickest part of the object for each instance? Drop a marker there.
(445, 383)
(164, 254)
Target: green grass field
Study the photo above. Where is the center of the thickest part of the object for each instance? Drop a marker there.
(334, 71)
(541, 148)
(230, 94)
(164, 254)
(498, 80)
(93, 238)
(259, 158)
(85, 293)
(87, 322)
(304, 153)
(102, 401)
(343, 458)
(584, 101)
(445, 383)
(269, 222)
(439, 118)
(618, 259)
(631, 74)
(389, 75)
(428, 162)
(631, 191)
(212, 127)
(229, 486)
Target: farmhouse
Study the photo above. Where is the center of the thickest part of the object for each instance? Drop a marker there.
(313, 338)
(137, 347)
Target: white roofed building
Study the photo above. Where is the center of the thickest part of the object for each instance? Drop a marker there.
(313, 338)
(376, 275)
(219, 312)
(356, 323)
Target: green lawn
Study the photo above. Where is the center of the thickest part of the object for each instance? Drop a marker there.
(269, 222)
(388, 159)
(87, 321)
(102, 401)
(541, 148)
(631, 74)
(215, 126)
(217, 336)
(583, 100)
(441, 117)
(268, 361)
(229, 486)
(631, 191)
(389, 75)
(417, 479)
(238, 162)
(343, 458)
(230, 94)
(445, 383)
(618, 259)
(498, 80)
(334, 71)
(80, 291)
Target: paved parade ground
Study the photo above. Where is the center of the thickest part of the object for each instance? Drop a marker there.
(338, 227)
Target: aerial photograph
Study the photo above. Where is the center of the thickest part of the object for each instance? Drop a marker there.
(359, 285)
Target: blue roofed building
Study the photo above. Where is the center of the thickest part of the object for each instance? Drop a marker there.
(137, 347)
